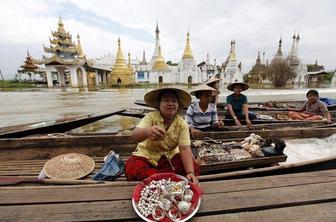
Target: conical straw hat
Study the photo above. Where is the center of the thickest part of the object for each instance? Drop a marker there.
(204, 88)
(243, 85)
(212, 80)
(69, 166)
(151, 98)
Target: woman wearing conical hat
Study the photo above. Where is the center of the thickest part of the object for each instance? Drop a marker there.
(163, 136)
(202, 115)
(237, 106)
(214, 83)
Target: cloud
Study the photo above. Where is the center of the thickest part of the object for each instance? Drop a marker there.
(256, 25)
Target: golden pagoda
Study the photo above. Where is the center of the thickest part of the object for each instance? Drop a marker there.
(61, 45)
(28, 65)
(121, 73)
(187, 51)
(159, 64)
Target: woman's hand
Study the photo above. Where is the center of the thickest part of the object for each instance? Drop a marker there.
(248, 123)
(237, 122)
(195, 132)
(218, 124)
(156, 133)
(191, 176)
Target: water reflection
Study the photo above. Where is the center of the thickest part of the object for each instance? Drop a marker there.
(113, 124)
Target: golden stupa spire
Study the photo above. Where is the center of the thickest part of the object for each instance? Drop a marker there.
(160, 64)
(121, 73)
(233, 56)
(120, 66)
(187, 51)
(60, 25)
(129, 60)
(79, 47)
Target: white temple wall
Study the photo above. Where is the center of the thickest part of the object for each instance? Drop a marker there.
(333, 80)
(49, 76)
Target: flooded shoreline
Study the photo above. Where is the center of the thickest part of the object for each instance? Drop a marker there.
(36, 105)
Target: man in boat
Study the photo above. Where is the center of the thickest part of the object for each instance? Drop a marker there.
(214, 83)
(312, 109)
(163, 137)
(202, 115)
(236, 104)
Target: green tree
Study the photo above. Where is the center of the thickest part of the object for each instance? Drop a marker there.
(280, 72)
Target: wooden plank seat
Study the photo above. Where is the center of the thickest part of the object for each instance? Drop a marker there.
(282, 198)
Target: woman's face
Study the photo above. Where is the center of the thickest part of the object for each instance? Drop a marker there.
(169, 105)
(312, 98)
(205, 97)
(237, 89)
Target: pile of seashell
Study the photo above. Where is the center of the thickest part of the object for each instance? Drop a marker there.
(165, 198)
(252, 144)
(209, 152)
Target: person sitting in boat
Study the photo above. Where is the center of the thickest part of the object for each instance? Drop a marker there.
(163, 137)
(237, 107)
(202, 115)
(312, 109)
(214, 83)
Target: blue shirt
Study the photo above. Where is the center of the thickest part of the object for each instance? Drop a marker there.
(195, 117)
(236, 103)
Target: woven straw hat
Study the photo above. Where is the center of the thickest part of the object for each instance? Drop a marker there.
(151, 98)
(212, 80)
(243, 85)
(201, 88)
(69, 166)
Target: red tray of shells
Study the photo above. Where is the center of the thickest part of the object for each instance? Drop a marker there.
(179, 209)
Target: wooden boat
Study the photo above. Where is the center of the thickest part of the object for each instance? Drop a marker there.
(251, 194)
(267, 117)
(53, 126)
(271, 105)
(98, 145)
(234, 196)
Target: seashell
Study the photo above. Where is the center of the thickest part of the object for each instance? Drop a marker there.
(165, 204)
(187, 195)
(184, 207)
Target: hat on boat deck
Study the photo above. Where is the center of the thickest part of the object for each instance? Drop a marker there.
(202, 88)
(152, 97)
(244, 86)
(69, 166)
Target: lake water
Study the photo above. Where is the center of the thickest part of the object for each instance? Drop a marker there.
(36, 105)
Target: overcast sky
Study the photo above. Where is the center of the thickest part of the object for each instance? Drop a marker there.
(255, 25)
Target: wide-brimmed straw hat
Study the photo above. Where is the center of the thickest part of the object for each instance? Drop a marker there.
(212, 80)
(243, 85)
(202, 88)
(69, 166)
(152, 100)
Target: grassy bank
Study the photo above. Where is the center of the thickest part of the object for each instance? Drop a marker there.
(11, 84)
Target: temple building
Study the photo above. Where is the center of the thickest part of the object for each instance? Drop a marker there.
(232, 69)
(208, 70)
(188, 71)
(258, 73)
(67, 59)
(294, 60)
(122, 73)
(143, 70)
(333, 80)
(31, 69)
(158, 71)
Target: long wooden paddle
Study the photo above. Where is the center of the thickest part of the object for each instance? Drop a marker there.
(17, 180)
